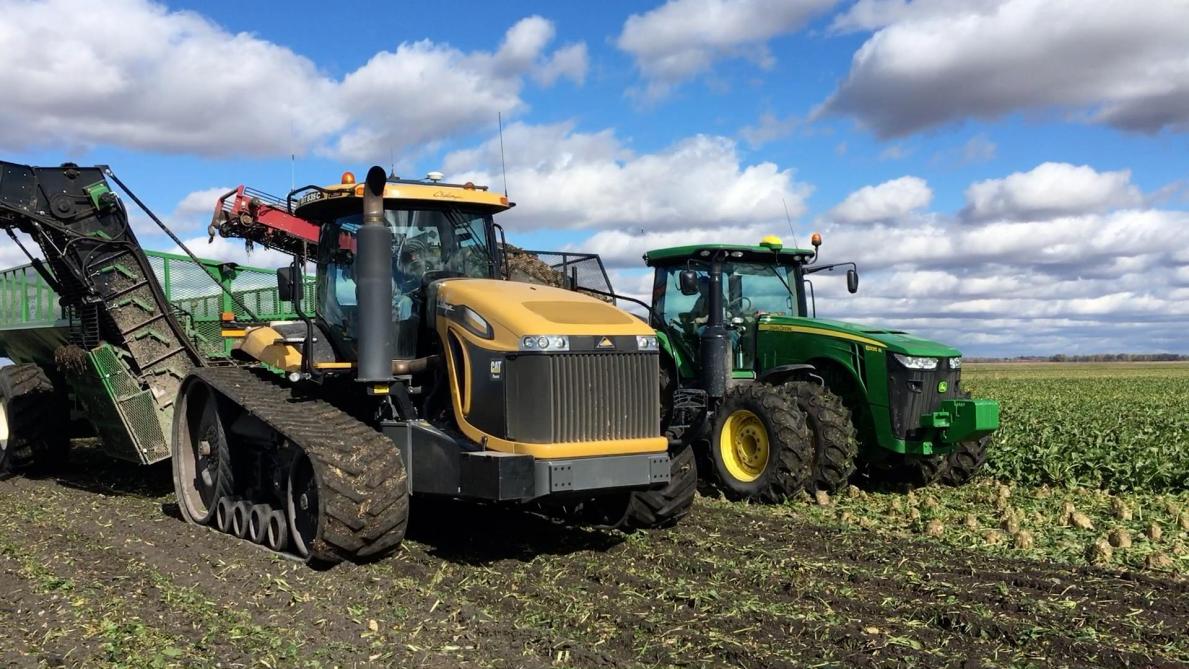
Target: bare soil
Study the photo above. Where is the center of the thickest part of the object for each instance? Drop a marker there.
(97, 569)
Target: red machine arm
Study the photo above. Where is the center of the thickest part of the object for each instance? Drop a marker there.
(259, 218)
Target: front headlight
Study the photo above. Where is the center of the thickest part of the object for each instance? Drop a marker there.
(545, 343)
(956, 363)
(646, 343)
(916, 362)
(476, 323)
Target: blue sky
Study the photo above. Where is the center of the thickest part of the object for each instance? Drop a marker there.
(1010, 174)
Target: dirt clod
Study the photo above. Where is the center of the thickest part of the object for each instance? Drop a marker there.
(1120, 509)
(1099, 552)
(1154, 531)
(934, 528)
(1120, 537)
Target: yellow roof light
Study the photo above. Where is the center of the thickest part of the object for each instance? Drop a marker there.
(348, 178)
(773, 242)
(816, 240)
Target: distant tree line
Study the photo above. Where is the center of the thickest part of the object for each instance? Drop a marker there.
(1096, 357)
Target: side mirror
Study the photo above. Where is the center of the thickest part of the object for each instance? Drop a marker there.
(285, 290)
(688, 279)
(852, 281)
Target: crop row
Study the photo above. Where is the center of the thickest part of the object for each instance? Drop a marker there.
(1125, 428)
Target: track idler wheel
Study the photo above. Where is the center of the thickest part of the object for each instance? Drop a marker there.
(240, 512)
(276, 535)
(258, 522)
(223, 512)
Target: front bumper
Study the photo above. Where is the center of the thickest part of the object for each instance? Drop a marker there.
(955, 422)
(500, 476)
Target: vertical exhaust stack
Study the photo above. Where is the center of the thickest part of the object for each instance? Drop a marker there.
(373, 285)
(715, 343)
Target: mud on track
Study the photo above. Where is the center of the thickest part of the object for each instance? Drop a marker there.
(96, 569)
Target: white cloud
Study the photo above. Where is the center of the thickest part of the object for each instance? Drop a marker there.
(140, 75)
(622, 249)
(1050, 190)
(568, 179)
(233, 250)
(568, 62)
(683, 38)
(888, 200)
(769, 128)
(932, 62)
(1113, 278)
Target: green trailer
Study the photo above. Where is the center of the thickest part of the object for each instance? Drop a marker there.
(98, 386)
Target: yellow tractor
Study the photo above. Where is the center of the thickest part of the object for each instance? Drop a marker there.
(409, 366)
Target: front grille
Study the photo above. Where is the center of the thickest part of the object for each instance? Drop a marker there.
(914, 392)
(567, 397)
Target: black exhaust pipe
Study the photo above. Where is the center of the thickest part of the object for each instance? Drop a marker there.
(715, 344)
(373, 285)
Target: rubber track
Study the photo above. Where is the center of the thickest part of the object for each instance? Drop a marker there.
(363, 486)
(836, 443)
(35, 417)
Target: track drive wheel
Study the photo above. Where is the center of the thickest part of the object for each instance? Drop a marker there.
(33, 419)
(835, 441)
(202, 474)
(760, 444)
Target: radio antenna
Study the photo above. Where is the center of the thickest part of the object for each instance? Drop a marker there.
(499, 116)
(789, 219)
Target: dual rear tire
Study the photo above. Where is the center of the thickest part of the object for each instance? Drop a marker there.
(771, 442)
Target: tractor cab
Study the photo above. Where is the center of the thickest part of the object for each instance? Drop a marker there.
(437, 231)
(760, 281)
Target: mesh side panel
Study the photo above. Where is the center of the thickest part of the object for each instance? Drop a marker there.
(558, 268)
(140, 415)
(113, 373)
(127, 416)
(25, 298)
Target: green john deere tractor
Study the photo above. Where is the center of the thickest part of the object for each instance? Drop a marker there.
(778, 401)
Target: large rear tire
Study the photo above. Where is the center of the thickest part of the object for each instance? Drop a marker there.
(760, 446)
(835, 441)
(34, 419)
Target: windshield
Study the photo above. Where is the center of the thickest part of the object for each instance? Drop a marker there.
(427, 244)
(750, 290)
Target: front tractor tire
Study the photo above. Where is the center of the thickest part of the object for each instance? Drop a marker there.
(835, 441)
(965, 462)
(642, 509)
(33, 419)
(760, 447)
(658, 509)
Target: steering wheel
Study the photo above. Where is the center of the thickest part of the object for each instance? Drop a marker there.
(741, 305)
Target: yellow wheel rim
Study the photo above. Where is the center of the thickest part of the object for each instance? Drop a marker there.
(743, 445)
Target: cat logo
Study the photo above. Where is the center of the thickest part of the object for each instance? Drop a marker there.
(605, 342)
